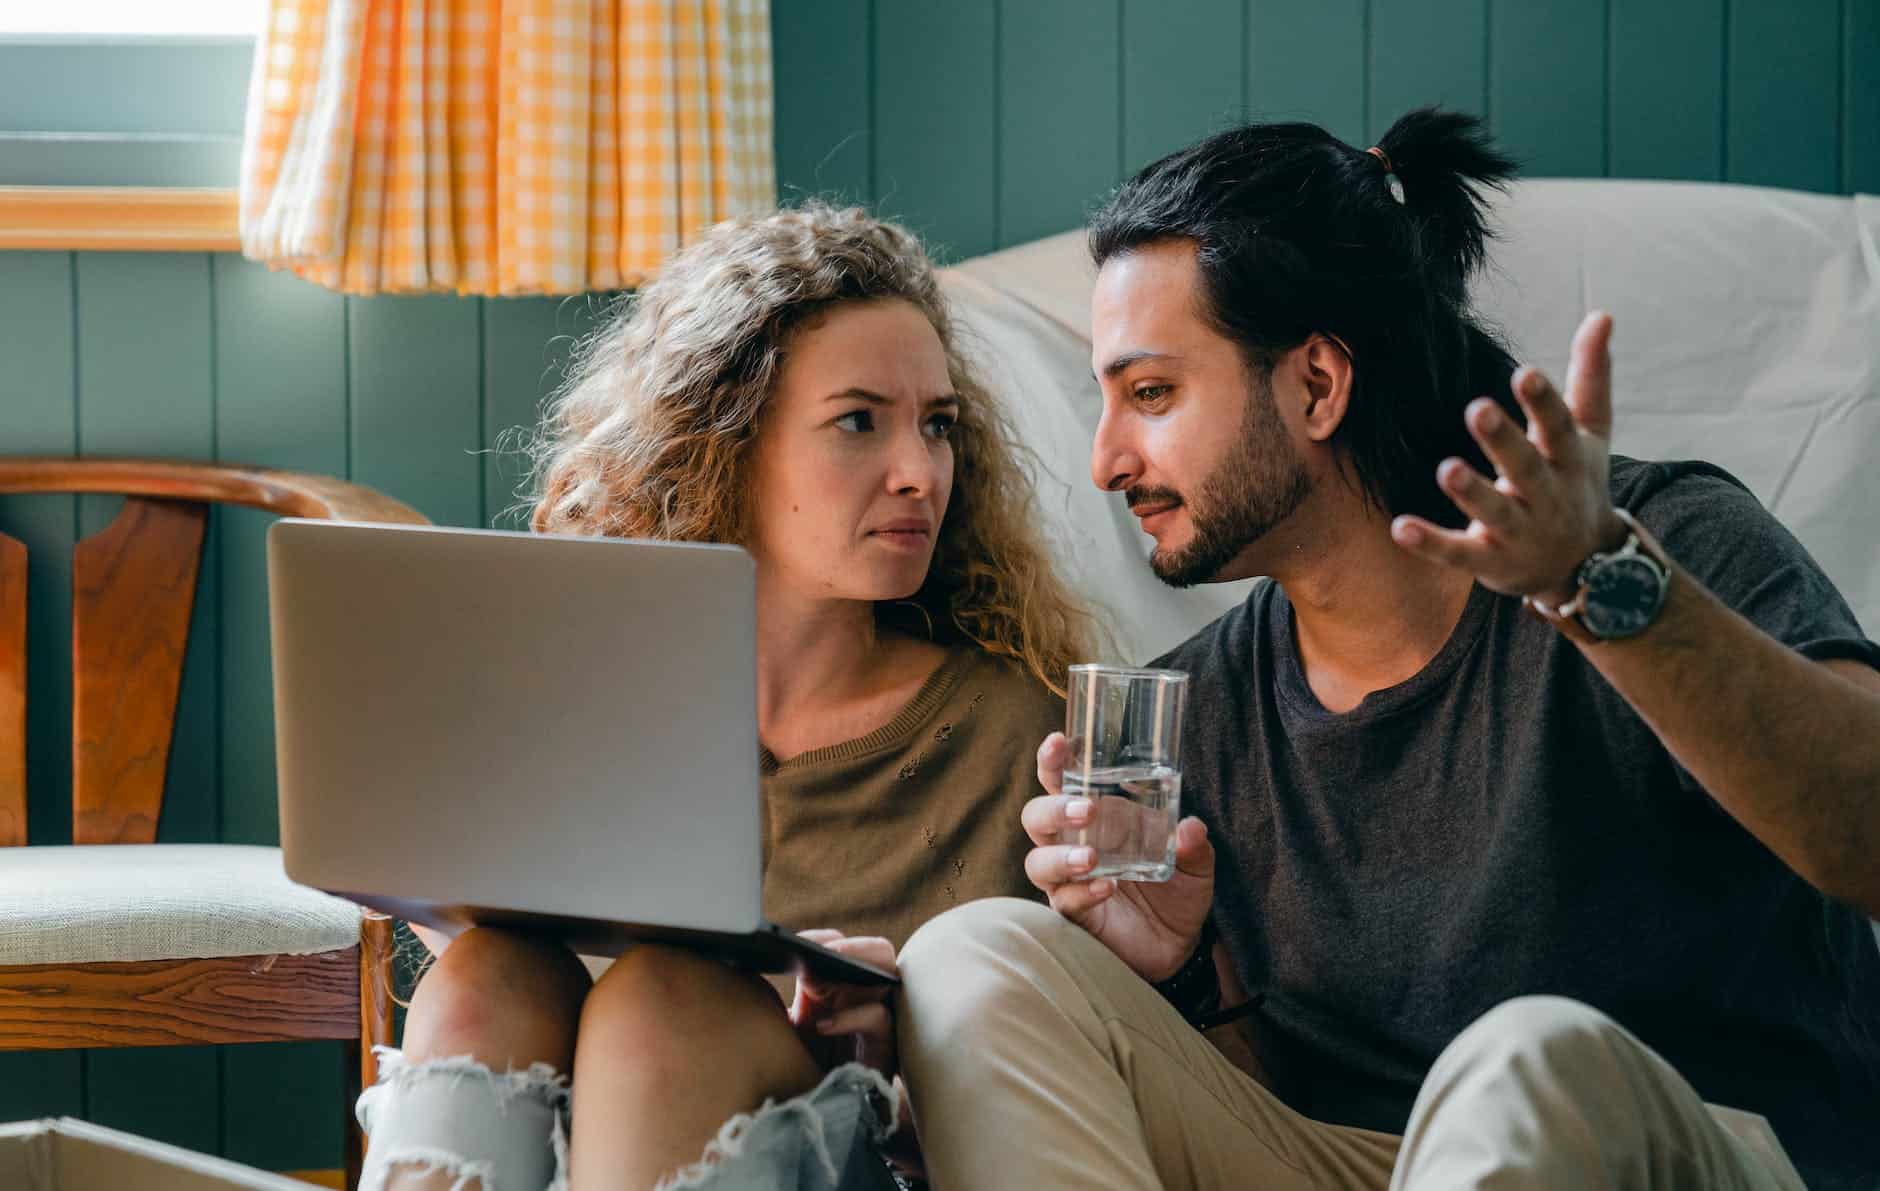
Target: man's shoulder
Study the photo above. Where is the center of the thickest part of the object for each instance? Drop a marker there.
(1672, 490)
(1705, 517)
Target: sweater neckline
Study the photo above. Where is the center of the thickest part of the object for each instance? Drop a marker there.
(915, 712)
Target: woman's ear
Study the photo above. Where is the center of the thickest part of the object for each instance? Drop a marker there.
(1324, 365)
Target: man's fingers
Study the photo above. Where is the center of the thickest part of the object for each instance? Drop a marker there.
(1194, 853)
(1454, 547)
(1053, 755)
(1507, 448)
(1589, 376)
(1048, 817)
(1049, 867)
(1550, 423)
(1075, 900)
(1478, 498)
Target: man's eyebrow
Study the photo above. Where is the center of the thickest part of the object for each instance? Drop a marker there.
(1129, 359)
(873, 398)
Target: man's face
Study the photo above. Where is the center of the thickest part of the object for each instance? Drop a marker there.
(1190, 432)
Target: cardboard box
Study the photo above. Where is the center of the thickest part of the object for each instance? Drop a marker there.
(70, 1155)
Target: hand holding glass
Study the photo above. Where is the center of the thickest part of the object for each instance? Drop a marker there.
(1125, 744)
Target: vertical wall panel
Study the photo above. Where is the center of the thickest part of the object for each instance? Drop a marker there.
(1860, 109)
(824, 138)
(414, 382)
(526, 344)
(1184, 69)
(935, 109)
(1666, 103)
(145, 388)
(1306, 62)
(37, 417)
(281, 402)
(1426, 52)
(1784, 107)
(280, 367)
(1547, 85)
(1059, 117)
(285, 1109)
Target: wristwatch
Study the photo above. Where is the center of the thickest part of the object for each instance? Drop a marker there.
(1619, 592)
(1195, 988)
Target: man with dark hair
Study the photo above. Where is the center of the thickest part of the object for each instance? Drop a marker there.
(1545, 783)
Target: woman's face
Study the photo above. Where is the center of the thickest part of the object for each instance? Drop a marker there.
(853, 464)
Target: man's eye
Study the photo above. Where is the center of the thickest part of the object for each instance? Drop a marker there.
(941, 425)
(1153, 394)
(858, 421)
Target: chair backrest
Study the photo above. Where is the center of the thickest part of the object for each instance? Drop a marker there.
(1744, 335)
(133, 588)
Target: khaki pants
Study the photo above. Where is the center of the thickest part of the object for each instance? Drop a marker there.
(1036, 1059)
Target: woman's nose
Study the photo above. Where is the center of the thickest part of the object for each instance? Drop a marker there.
(911, 469)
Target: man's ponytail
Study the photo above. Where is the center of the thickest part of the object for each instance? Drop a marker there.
(1445, 160)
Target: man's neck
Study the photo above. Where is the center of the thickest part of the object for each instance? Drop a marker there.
(1367, 614)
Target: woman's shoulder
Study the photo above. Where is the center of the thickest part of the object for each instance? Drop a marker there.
(1012, 698)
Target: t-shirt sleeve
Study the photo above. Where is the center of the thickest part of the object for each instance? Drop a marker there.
(1717, 530)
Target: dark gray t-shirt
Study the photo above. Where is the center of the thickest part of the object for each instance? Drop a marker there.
(1503, 823)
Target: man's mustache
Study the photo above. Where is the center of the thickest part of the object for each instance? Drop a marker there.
(1147, 495)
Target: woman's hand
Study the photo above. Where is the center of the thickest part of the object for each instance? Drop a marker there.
(842, 1023)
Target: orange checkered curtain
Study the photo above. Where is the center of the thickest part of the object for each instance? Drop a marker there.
(501, 146)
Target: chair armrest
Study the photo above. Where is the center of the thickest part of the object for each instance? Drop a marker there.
(291, 494)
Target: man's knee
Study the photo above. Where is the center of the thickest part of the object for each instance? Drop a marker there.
(990, 925)
(977, 959)
(1578, 1047)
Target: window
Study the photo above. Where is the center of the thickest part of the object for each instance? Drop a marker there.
(124, 92)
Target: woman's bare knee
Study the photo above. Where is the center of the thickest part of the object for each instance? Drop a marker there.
(668, 1012)
(504, 998)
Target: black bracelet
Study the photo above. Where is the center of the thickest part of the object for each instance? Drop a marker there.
(1195, 988)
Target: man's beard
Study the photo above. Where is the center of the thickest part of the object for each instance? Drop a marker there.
(1258, 485)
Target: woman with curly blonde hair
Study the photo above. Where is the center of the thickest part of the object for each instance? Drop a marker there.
(791, 384)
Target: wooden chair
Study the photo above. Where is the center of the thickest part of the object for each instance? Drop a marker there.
(159, 971)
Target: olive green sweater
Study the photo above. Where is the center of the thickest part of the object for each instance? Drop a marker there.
(876, 835)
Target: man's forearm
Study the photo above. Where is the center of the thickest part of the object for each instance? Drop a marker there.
(1788, 746)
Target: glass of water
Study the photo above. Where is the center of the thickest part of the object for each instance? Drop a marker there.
(1125, 729)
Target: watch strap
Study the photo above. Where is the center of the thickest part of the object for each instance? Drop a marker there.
(1195, 988)
(1566, 617)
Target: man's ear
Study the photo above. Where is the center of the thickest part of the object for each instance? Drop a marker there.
(1323, 367)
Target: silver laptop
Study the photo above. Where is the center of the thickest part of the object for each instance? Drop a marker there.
(555, 734)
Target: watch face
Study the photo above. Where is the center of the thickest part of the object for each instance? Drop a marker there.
(1622, 596)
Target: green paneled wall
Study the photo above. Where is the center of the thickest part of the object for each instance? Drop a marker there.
(982, 122)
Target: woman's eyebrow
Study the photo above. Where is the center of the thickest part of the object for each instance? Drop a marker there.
(873, 398)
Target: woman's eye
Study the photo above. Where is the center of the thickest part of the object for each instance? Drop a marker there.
(1153, 394)
(941, 425)
(858, 421)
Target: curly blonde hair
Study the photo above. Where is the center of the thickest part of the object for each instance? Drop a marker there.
(650, 436)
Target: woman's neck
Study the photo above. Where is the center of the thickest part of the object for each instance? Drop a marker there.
(824, 668)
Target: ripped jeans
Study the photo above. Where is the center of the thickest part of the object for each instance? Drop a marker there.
(509, 1132)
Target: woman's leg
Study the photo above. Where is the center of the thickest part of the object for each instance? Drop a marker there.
(492, 1008)
(672, 1045)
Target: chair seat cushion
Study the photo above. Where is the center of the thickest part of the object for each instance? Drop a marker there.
(122, 903)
